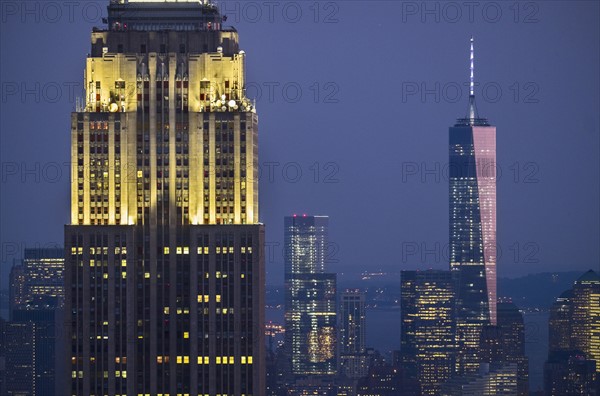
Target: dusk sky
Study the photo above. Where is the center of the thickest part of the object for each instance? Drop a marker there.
(366, 140)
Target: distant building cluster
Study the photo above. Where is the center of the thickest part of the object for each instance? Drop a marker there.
(31, 340)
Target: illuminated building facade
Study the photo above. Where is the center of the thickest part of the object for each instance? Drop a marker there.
(16, 287)
(586, 316)
(30, 353)
(352, 322)
(472, 182)
(570, 373)
(505, 343)
(490, 380)
(427, 343)
(37, 283)
(310, 301)
(164, 253)
(560, 326)
(36, 295)
(573, 365)
(354, 361)
(386, 380)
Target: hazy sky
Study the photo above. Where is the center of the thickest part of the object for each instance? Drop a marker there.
(363, 93)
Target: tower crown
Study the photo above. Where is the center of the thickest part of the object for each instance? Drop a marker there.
(182, 15)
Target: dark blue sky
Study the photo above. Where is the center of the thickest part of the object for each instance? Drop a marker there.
(370, 130)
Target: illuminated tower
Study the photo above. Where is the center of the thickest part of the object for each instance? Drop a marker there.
(585, 328)
(352, 334)
(310, 304)
(164, 253)
(473, 227)
(427, 343)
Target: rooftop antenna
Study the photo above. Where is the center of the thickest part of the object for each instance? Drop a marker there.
(472, 86)
(472, 115)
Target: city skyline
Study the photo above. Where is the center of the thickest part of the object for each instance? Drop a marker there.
(171, 259)
(528, 155)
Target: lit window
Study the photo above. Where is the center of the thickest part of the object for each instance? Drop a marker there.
(203, 359)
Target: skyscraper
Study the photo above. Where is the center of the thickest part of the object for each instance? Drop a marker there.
(586, 316)
(37, 283)
(427, 343)
(472, 182)
(164, 253)
(574, 344)
(30, 353)
(36, 298)
(560, 323)
(354, 362)
(504, 343)
(310, 301)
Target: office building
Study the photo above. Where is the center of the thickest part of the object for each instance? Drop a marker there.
(427, 342)
(354, 361)
(472, 182)
(310, 301)
(37, 283)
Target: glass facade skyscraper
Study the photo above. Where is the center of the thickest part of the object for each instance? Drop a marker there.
(352, 334)
(427, 343)
(472, 182)
(164, 253)
(310, 301)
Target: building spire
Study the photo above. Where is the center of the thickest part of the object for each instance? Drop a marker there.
(472, 115)
(472, 85)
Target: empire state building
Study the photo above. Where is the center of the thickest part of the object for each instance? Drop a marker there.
(164, 252)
